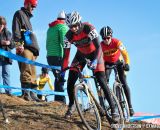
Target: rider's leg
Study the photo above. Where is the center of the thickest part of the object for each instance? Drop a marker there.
(108, 73)
(100, 76)
(122, 77)
(72, 78)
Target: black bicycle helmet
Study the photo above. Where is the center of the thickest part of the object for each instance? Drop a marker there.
(106, 31)
(44, 70)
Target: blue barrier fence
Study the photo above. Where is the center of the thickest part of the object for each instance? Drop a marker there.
(40, 92)
(25, 60)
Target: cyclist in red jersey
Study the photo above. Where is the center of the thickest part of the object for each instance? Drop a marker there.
(85, 37)
(114, 53)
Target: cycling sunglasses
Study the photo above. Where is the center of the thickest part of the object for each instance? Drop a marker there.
(106, 38)
(73, 26)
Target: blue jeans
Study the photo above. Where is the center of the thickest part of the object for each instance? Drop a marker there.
(5, 75)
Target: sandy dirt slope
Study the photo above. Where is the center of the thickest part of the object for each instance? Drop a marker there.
(24, 115)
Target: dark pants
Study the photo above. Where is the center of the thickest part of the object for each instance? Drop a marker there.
(57, 61)
(122, 77)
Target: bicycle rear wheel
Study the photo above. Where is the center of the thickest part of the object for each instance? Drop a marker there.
(86, 108)
(123, 101)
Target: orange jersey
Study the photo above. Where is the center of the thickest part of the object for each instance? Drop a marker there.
(112, 52)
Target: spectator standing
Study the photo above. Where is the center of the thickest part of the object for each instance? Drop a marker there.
(27, 46)
(54, 45)
(6, 44)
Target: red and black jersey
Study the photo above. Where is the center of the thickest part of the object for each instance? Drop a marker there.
(83, 40)
(86, 41)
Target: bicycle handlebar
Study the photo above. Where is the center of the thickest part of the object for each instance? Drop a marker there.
(110, 66)
(114, 67)
(76, 65)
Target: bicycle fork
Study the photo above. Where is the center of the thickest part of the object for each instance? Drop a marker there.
(100, 109)
(87, 92)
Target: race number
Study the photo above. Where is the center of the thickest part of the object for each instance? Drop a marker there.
(93, 34)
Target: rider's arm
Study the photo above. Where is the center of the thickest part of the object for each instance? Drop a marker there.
(94, 37)
(50, 83)
(67, 46)
(124, 52)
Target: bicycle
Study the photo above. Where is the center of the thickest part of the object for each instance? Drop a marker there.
(90, 111)
(119, 92)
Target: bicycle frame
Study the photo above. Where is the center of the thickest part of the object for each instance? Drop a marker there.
(83, 82)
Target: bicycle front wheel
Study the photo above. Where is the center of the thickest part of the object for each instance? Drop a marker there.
(123, 101)
(86, 108)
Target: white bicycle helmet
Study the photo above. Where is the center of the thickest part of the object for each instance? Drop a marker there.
(73, 18)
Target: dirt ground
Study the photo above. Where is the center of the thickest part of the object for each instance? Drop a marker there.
(24, 115)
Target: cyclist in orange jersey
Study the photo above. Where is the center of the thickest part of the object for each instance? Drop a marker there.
(115, 53)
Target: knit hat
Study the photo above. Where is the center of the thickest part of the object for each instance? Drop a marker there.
(61, 15)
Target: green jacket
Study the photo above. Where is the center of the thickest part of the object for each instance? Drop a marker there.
(55, 38)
